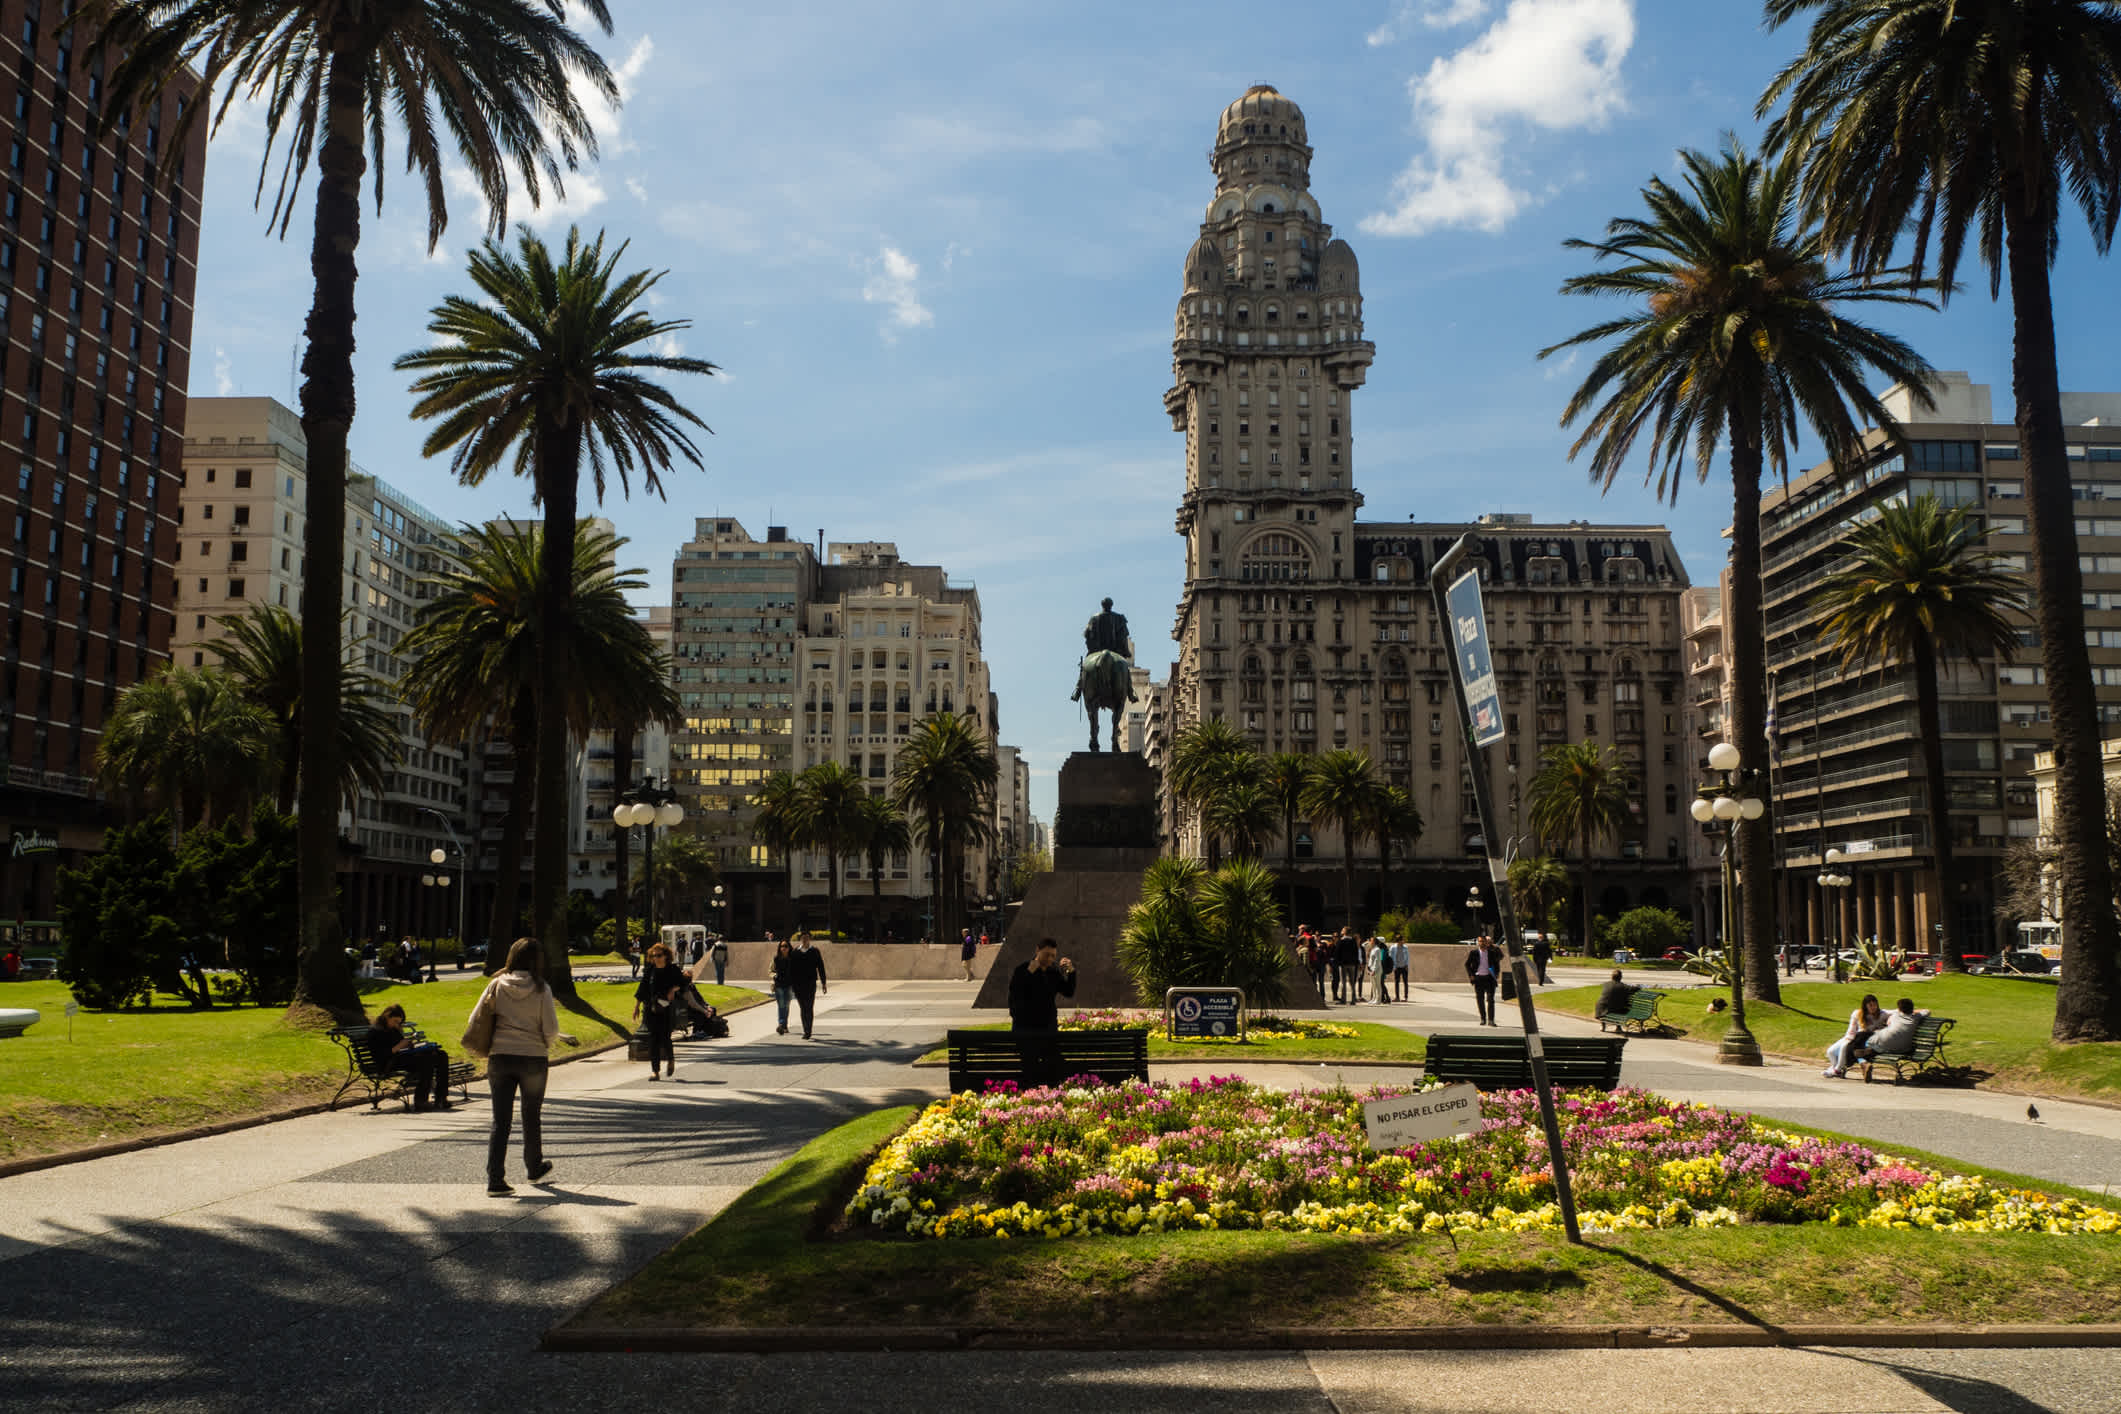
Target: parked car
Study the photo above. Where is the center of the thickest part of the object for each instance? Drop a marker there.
(1676, 954)
(40, 969)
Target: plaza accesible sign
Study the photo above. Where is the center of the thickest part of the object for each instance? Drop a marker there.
(1414, 1119)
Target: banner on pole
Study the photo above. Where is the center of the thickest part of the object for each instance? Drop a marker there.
(1469, 638)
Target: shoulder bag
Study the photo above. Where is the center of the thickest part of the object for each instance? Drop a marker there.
(478, 1032)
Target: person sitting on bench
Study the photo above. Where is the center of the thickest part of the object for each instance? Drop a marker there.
(1615, 995)
(424, 1061)
(1895, 1038)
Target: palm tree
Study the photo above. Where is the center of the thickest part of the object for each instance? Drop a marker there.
(475, 658)
(504, 80)
(684, 871)
(1285, 775)
(1244, 812)
(944, 780)
(1741, 329)
(1582, 791)
(546, 370)
(1534, 881)
(1961, 117)
(777, 822)
(262, 651)
(1920, 588)
(1339, 790)
(884, 833)
(1205, 757)
(187, 741)
(830, 806)
(1392, 818)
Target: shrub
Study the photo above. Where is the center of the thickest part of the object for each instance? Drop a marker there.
(1430, 924)
(117, 928)
(237, 894)
(1196, 929)
(1646, 932)
(606, 936)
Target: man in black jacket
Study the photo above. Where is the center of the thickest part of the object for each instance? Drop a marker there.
(1484, 971)
(1347, 967)
(1036, 987)
(808, 978)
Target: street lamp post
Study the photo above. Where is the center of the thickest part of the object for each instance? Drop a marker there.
(1473, 906)
(648, 805)
(1835, 879)
(721, 916)
(1728, 801)
(437, 880)
(463, 886)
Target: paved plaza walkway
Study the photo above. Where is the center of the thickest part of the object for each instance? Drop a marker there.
(352, 1260)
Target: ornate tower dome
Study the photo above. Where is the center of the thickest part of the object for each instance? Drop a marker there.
(1262, 136)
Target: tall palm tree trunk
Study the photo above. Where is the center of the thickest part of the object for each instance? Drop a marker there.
(1931, 716)
(515, 820)
(1347, 868)
(1746, 637)
(559, 450)
(622, 778)
(1288, 858)
(876, 903)
(832, 891)
(1587, 949)
(323, 977)
(2088, 1003)
(1384, 873)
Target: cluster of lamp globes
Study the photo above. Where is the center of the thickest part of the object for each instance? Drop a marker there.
(437, 879)
(1724, 757)
(1833, 878)
(667, 814)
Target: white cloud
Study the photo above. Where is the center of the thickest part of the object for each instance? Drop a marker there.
(1429, 14)
(1550, 65)
(894, 281)
(224, 374)
(636, 189)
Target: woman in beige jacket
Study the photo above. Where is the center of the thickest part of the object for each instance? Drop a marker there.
(525, 1024)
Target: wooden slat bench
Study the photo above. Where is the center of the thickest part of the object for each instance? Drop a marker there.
(1641, 1014)
(369, 1064)
(1928, 1051)
(1497, 1061)
(1046, 1057)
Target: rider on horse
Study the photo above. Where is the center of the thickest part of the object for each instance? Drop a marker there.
(1105, 680)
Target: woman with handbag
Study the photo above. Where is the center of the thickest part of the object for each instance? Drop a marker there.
(514, 1026)
(657, 1000)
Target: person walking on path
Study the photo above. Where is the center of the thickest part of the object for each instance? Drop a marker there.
(1866, 1018)
(1315, 961)
(1481, 971)
(1401, 958)
(656, 1001)
(1380, 971)
(966, 952)
(1542, 954)
(1035, 988)
(518, 1023)
(426, 1062)
(783, 982)
(806, 978)
(1347, 967)
(720, 953)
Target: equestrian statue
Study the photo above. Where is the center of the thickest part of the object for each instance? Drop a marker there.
(1105, 679)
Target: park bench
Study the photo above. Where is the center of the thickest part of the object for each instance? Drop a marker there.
(1046, 1057)
(1499, 1061)
(367, 1063)
(1641, 1014)
(1928, 1051)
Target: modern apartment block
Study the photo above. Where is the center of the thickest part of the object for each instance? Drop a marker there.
(884, 644)
(98, 260)
(1849, 772)
(246, 491)
(1312, 629)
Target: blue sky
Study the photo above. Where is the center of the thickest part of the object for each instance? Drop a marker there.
(936, 250)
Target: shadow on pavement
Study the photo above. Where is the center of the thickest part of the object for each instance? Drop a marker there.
(1956, 1392)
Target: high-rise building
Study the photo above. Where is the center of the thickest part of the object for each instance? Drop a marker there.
(1313, 630)
(98, 259)
(246, 488)
(1848, 771)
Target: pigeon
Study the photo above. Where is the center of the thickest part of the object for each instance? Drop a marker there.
(2032, 1112)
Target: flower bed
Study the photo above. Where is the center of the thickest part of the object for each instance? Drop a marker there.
(1264, 1027)
(1222, 1153)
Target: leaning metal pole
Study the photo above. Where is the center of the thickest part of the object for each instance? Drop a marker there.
(1505, 907)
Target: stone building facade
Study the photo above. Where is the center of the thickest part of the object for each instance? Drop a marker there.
(1313, 629)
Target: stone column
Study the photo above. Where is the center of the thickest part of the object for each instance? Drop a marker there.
(1908, 939)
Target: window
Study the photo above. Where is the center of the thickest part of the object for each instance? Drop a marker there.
(242, 477)
(235, 588)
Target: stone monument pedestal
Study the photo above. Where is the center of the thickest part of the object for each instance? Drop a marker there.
(1104, 836)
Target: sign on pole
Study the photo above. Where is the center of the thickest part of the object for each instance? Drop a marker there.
(1204, 1011)
(1476, 666)
(1415, 1119)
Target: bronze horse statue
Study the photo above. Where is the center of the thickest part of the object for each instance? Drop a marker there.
(1105, 679)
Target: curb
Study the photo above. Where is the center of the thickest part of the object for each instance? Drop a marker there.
(606, 1339)
(41, 1162)
(925, 1064)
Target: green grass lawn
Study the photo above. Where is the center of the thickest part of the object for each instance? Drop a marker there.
(778, 1256)
(152, 1070)
(1377, 1042)
(2002, 1027)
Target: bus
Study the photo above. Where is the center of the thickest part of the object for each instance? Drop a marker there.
(687, 941)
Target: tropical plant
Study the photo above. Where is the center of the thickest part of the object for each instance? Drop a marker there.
(1741, 329)
(1390, 818)
(1581, 791)
(1285, 775)
(830, 806)
(546, 369)
(943, 779)
(235, 898)
(1339, 790)
(261, 649)
(118, 932)
(1958, 118)
(493, 85)
(1243, 812)
(1207, 756)
(1535, 881)
(1920, 588)
(685, 871)
(1197, 928)
(474, 658)
(883, 834)
(777, 817)
(1647, 932)
(1427, 924)
(186, 741)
